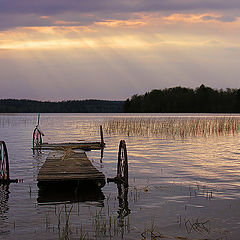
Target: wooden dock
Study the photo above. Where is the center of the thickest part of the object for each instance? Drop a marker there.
(38, 143)
(86, 146)
(69, 167)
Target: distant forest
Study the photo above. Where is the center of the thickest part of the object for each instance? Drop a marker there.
(169, 100)
(185, 100)
(83, 106)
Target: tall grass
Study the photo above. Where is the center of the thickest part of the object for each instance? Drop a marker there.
(64, 230)
(174, 127)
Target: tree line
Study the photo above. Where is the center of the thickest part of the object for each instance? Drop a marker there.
(185, 100)
(169, 100)
(78, 106)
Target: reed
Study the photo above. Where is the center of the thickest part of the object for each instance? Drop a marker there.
(64, 230)
(173, 127)
(152, 233)
(109, 226)
(197, 225)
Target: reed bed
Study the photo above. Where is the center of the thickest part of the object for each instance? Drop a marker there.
(173, 127)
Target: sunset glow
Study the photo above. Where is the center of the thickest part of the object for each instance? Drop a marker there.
(166, 43)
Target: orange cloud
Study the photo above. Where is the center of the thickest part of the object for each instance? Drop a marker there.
(188, 18)
(194, 18)
(53, 30)
(44, 17)
(60, 22)
(107, 34)
(121, 23)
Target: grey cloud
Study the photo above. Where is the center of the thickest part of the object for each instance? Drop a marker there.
(208, 18)
(221, 19)
(27, 12)
(58, 6)
(227, 18)
(47, 7)
(34, 20)
(18, 20)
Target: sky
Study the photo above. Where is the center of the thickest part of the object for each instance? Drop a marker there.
(112, 49)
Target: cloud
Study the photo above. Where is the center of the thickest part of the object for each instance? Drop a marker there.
(139, 30)
(46, 7)
(66, 23)
(228, 18)
(219, 18)
(44, 17)
(121, 23)
(44, 13)
(73, 45)
(199, 18)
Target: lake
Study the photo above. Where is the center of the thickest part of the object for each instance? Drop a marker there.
(179, 187)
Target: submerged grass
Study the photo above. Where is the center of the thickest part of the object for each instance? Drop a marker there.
(173, 127)
(110, 226)
(64, 230)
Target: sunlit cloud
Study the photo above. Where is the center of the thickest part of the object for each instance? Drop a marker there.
(130, 46)
(145, 31)
(49, 44)
(191, 18)
(121, 23)
(198, 18)
(44, 17)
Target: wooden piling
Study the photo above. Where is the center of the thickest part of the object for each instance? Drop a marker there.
(101, 134)
(38, 119)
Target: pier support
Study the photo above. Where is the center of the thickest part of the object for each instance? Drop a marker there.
(4, 165)
(122, 166)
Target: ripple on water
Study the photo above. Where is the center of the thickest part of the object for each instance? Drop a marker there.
(171, 180)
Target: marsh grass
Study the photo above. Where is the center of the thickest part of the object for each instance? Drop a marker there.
(64, 230)
(152, 232)
(173, 127)
(109, 226)
(196, 225)
(201, 227)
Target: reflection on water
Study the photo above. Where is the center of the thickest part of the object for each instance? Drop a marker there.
(123, 200)
(66, 193)
(4, 195)
(171, 181)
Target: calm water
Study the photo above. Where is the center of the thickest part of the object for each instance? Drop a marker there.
(178, 187)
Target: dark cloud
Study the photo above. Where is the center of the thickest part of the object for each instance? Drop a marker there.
(221, 19)
(227, 18)
(19, 20)
(27, 12)
(47, 7)
(34, 20)
(207, 18)
(57, 6)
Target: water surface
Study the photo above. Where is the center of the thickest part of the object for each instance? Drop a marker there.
(187, 187)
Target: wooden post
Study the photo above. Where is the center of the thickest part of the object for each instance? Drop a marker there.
(101, 133)
(38, 119)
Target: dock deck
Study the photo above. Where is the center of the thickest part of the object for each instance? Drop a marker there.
(86, 146)
(69, 167)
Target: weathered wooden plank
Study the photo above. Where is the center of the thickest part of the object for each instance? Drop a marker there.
(62, 166)
(62, 146)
